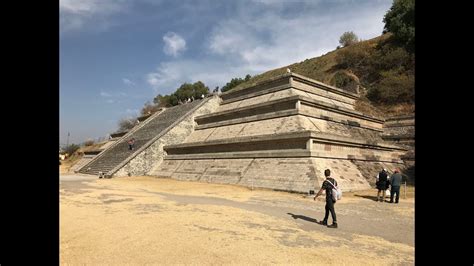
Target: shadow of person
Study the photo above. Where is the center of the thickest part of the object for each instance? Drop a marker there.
(374, 198)
(302, 217)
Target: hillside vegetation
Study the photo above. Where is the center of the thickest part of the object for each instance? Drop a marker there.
(381, 70)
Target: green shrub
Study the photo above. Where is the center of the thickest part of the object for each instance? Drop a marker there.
(234, 83)
(354, 57)
(393, 88)
(374, 94)
(184, 92)
(344, 81)
(400, 20)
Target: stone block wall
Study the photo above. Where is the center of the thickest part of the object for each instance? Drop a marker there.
(279, 82)
(340, 129)
(288, 174)
(258, 99)
(248, 112)
(262, 145)
(336, 97)
(341, 116)
(400, 130)
(255, 128)
(319, 149)
(345, 104)
(291, 174)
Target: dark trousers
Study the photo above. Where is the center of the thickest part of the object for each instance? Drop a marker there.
(393, 191)
(330, 208)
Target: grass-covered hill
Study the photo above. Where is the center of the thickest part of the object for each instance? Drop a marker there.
(382, 71)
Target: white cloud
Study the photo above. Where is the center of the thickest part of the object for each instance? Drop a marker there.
(174, 44)
(76, 14)
(274, 40)
(131, 111)
(153, 79)
(105, 94)
(267, 37)
(170, 75)
(128, 82)
(113, 94)
(113, 97)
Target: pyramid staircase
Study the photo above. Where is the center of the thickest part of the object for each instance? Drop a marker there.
(117, 155)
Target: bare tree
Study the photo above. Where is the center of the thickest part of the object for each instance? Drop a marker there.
(127, 123)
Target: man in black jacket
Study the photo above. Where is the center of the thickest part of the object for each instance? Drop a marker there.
(328, 186)
(382, 184)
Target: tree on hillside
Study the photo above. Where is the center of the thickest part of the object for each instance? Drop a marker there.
(400, 20)
(188, 91)
(166, 100)
(348, 38)
(200, 89)
(182, 94)
(235, 82)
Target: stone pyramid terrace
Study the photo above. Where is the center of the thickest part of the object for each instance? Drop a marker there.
(282, 133)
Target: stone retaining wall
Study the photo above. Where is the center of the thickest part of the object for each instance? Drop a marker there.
(288, 174)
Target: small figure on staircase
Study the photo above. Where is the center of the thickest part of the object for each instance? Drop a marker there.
(131, 143)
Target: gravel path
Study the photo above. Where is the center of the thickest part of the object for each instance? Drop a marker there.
(142, 220)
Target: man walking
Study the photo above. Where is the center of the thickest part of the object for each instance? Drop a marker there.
(328, 186)
(395, 182)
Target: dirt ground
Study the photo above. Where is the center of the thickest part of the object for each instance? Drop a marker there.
(145, 220)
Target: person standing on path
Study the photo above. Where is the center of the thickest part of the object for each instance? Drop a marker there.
(329, 200)
(395, 182)
(382, 182)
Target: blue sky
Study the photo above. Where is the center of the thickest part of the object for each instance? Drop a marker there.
(115, 55)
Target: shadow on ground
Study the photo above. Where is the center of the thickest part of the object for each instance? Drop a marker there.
(374, 198)
(302, 217)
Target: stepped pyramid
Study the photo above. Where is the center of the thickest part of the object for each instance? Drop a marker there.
(282, 133)
(400, 130)
(168, 126)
